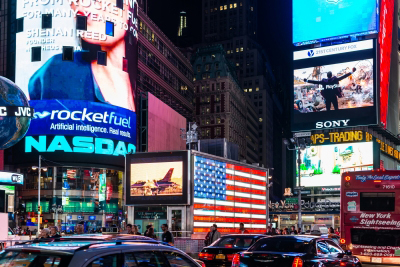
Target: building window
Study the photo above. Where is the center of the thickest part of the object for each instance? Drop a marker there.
(213, 57)
(81, 22)
(204, 59)
(218, 120)
(218, 131)
(237, 49)
(245, 90)
(120, 4)
(217, 98)
(102, 58)
(208, 110)
(207, 67)
(237, 64)
(216, 66)
(241, 49)
(204, 76)
(235, 5)
(20, 25)
(203, 110)
(203, 88)
(218, 109)
(218, 74)
(207, 121)
(260, 120)
(68, 53)
(36, 53)
(47, 21)
(109, 28)
(257, 89)
(208, 99)
(225, 7)
(208, 132)
(218, 86)
(250, 90)
(198, 68)
(221, 8)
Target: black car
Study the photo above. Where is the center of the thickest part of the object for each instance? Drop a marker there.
(295, 251)
(222, 251)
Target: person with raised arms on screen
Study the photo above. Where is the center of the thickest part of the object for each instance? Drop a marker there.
(331, 88)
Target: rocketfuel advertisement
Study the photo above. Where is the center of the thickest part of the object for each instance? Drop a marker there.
(84, 101)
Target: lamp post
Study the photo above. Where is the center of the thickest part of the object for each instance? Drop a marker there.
(268, 186)
(39, 178)
(299, 142)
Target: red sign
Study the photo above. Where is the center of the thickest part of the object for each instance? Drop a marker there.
(109, 192)
(385, 43)
(373, 220)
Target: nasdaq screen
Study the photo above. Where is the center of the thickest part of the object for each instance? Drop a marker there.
(324, 20)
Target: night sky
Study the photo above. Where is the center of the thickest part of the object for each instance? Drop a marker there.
(274, 27)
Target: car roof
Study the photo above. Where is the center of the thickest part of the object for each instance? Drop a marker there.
(71, 247)
(306, 238)
(247, 235)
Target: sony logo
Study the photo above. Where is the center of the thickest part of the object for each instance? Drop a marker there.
(330, 124)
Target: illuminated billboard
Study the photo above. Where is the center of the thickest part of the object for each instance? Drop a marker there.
(323, 165)
(317, 21)
(335, 88)
(77, 64)
(157, 178)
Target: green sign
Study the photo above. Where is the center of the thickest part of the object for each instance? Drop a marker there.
(292, 200)
(102, 187)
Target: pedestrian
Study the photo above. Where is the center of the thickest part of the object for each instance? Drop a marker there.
(136, 230)
(269, 231)
(278, 231)
(54, 232)
(129, 229)
(147, 228)
(215, 234)
(293, 230)
(285, 231)
(242, 230)
(337, 232)
(273, 231)
(79, 229)
(207, 240)
(167, 237)
(44, 233)
(151, 234)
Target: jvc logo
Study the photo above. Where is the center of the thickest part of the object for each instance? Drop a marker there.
(330, 124)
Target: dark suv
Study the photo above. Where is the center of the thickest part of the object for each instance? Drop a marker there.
(140, 253)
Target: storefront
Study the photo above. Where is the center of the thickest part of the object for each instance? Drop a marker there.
(73, 194)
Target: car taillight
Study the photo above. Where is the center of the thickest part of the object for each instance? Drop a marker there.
(206, 256)
(229, 246)
(342, 263)
(236, 260)
(230, 257)
(298, 262)
(203, 264)
(342, 241)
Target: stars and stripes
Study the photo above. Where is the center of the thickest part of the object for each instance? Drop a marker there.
(228, 194)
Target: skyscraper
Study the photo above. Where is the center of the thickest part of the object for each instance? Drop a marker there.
(182, 24)
(233, 24)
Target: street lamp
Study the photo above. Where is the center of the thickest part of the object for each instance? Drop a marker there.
(39, 174)
(268, 186)
(299, 142)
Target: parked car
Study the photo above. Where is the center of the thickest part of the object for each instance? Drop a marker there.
(295, 251)
(96, 253)
(221, 252)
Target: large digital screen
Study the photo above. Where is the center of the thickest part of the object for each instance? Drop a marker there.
(323, 165)
(162, 118)
(157, 178)
(335, 89)
(77, 64)
(324, 20)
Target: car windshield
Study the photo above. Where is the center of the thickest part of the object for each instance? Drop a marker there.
(235, 242)
(281, 245)
(32, 259)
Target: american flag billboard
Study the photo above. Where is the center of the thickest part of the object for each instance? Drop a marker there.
(228, 194)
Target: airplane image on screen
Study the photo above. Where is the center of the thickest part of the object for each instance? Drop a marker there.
(156, 187)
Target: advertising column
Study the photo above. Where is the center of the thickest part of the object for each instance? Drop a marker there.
(77, 62)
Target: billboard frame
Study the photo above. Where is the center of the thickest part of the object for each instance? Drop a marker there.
(300, 124)
(159, 157)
